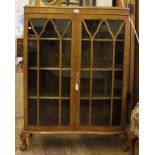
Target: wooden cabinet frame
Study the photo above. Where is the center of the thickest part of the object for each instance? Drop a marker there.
(125, 68)
(76, 15)
(39, 128)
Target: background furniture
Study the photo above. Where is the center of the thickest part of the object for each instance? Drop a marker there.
(134, 129)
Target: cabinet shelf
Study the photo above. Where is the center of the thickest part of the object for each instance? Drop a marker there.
(100, 98)
(48, 97)
(67, 39)
(101, 69)
(67, 98)
(48, 68)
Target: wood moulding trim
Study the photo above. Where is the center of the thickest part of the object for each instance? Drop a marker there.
(82, 10)
(68, 128)
(76, 7)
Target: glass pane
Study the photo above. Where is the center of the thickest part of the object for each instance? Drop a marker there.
(65, 92)
(49, 83)
(85, 54)
(118, 83)
(38, 24)
(68, 33)
(101, 85)
(49, 31)
(65, 112)
(100, 112)
(32, 53)
(32, 83)
(116, 117)
(48, 112)
(122, 33)
(119, 53)
(62, 27)
(85, 34)
(102, 54)
(92, 25)
(31, 33)
(84, 112)
(103, 32)
(85, 84)
(32, 112)
(114, 25)
(49, 53)
(66, 54)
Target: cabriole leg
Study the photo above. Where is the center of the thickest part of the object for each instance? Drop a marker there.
(124, 138)
(23, 146)
(132, 139)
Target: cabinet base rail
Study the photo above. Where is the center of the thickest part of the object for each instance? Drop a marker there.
(121, 134)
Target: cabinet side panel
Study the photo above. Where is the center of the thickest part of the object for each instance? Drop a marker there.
(25, 69)
(125, 69)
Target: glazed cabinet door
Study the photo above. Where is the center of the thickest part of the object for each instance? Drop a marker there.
(103, 66)
(48, 63)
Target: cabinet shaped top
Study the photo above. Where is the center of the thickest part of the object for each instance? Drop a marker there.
(76, 10)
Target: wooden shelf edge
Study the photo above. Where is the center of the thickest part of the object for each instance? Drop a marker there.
(74, 132)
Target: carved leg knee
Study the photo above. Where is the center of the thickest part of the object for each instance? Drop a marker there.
(23, 146)
(123, 138)
(132, 139)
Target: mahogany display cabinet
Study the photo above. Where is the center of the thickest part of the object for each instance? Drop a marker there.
(76, 63)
